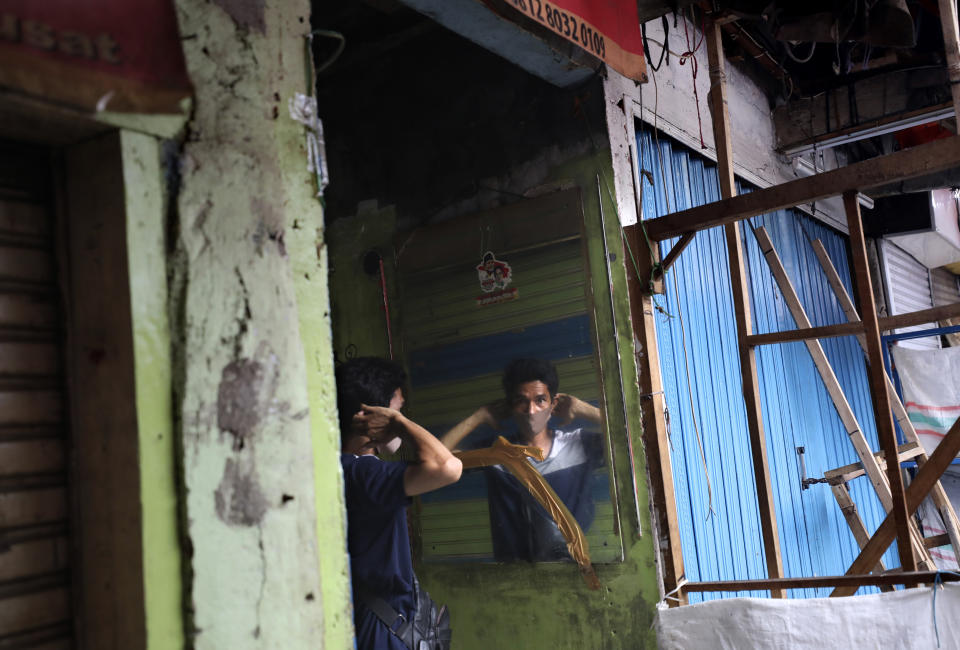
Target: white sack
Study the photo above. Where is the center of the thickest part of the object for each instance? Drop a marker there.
(900, 619)
(930, 380)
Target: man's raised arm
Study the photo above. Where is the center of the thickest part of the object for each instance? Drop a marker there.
(437, 467)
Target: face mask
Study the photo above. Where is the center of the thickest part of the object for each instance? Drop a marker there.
(392, 446)
(531, 424)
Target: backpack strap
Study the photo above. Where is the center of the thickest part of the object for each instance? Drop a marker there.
(388, 616)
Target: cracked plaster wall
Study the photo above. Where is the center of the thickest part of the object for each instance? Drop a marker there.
(252, 435)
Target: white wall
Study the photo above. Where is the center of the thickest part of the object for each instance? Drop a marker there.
(667, 103)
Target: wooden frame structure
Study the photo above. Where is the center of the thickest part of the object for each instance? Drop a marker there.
(899, 502)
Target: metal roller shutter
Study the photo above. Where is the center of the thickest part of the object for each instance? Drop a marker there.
(945, 289)
(35, 609)
(908, 289)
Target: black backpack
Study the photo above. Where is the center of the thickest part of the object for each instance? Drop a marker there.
(430, 627)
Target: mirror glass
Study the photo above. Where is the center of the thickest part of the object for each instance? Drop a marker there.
(475, 295)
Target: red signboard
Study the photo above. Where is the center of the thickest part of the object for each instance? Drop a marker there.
(115, 55)
(608, 30)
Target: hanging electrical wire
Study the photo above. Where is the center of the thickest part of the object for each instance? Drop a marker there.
(683, 336)
(792, 55)
(329, 33)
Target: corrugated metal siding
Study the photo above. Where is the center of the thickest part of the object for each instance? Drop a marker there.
(907, 283)
(797, 410)
(456, 352)
(34, 548)
(945, 288)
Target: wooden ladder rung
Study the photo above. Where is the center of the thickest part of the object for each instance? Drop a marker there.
(936, 540)
(852, 471)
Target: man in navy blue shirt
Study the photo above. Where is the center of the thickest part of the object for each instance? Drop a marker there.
(369, 398)
(520, 527)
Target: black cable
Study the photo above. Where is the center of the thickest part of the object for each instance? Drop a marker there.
(646, 44)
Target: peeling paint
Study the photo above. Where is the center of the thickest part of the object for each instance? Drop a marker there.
(245, 13)
(239, 500)
(238, 408)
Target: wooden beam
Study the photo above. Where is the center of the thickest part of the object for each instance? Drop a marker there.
(806, 334)
(932, 315)
(877, 376)
(845, 581)
(922, 483)
(886, 323)
(937, 540)
(832, 384)
(857, 527)
(741, 308)
(917, 161)
(939, 496)
(656, 441)
(674, 253)
(855, 470)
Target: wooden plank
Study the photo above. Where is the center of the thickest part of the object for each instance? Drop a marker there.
(656, 441)
(674, 253)
(832, 384)
(877, 375)
(857, 527)
(936, 540)
(854, 470)
(104, 456)
(856, 327)
(916, 161)
(852, 581)
(806, 334)
(922, 483)
(741, 307)
(938, 494)
(934, 314)
(45, 455)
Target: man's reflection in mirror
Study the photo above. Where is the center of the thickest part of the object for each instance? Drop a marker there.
(521, 528)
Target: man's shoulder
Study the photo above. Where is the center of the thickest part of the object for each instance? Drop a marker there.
(369, 464)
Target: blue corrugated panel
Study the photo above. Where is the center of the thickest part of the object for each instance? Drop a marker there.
(724, 542)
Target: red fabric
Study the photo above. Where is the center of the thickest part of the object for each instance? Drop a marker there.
(921, 134)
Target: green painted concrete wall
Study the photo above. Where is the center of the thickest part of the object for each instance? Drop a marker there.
(263, 524)
(146, 251)
(309, 256)
(547, 605)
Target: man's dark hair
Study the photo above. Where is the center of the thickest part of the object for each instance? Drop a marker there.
(520, 371)
(366, 380)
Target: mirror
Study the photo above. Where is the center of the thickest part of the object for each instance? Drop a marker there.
(476, 294)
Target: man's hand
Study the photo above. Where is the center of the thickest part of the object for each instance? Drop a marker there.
(492, 414)
(378, 423)
(570, 408)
